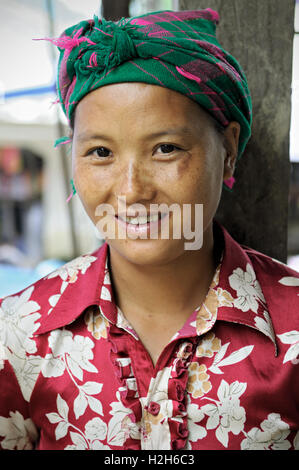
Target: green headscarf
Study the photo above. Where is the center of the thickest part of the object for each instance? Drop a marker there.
(176, 50)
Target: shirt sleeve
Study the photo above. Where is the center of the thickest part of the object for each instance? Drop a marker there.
(17, 431)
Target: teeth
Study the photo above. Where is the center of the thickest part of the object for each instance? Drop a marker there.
(141, 220)
(153, 218)
(136, 220)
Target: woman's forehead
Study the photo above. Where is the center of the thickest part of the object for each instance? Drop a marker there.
(140, 100)
(135, 93)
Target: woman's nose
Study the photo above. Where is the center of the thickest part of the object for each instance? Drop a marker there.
(135, 183)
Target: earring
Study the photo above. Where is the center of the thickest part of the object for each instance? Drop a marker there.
(229, 183)
(73, 192)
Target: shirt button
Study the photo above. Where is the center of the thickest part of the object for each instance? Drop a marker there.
(180, 368)
(180, 393)
(154, 408)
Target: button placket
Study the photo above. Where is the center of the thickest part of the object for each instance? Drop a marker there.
(177, 392)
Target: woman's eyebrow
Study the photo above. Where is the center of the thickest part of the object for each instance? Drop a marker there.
(86, 137)
(171, 131)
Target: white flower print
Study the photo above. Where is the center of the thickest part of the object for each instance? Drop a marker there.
(248, 289)
(291, 337)
(53, 366)
(95, 429)
(97, 445)
(226, 415)
(265, 325)
(195, 415)
(76, 352)
(272, 435)
(296, 441)
(73, 355)
(80, 355)
(121, 426)
(18, 433)
(233, 358)
(85, 398)
(60, 418)
(27, 370)
(69, 274)
(79, 443)
(69, 271)
(2, 356)
(105, 294)
(53, 299)
(90, 438)
(255, 440)
(289, 281)
(18, 316)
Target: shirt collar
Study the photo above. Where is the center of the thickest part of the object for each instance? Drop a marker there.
(235, 294)
(241, 291)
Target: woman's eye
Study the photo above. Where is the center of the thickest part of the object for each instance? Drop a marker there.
(101, 152)
(167, 148)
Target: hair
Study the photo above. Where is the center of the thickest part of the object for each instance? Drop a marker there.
(219, 128)
(72, 121)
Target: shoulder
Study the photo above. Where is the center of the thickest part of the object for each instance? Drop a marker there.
(38, 300)
(268, 285)
(254, 266)
(280, 286)
(272, 269)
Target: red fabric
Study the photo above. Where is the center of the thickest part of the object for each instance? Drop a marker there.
(74, 375)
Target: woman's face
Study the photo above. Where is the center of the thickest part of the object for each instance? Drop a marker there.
(135, 143)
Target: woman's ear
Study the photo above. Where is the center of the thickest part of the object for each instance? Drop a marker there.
(231, 143)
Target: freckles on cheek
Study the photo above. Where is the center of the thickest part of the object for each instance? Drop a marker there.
(183, 165)
(188, 175)
(87, 184)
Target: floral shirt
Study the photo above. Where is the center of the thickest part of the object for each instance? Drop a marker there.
(74, 375)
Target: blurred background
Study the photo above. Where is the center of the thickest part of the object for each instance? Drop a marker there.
(39, 230)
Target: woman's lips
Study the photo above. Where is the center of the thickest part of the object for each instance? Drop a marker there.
(141, 229)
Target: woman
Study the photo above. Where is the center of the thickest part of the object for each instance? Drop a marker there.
(153, 342)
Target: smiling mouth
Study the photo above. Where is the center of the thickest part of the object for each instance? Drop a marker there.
(141, 220)
(141, 226)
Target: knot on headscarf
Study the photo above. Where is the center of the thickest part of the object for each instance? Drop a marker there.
(111, 46)
(123, 47)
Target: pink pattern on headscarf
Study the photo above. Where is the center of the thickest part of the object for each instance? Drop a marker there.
(69, 92)
(186, 15)
(214, 97)
(140, 22)
(93, 60)
(70, 197)
(214, 15)
(68, 42)
(188, 75)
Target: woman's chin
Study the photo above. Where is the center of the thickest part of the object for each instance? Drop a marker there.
(147, 252)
